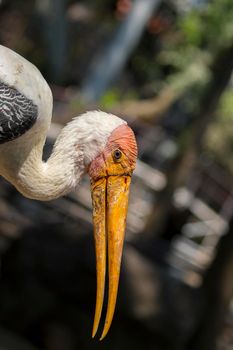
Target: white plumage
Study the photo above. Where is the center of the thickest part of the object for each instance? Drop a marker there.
(79, 143)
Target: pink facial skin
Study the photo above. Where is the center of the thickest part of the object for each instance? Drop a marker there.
(121, 138)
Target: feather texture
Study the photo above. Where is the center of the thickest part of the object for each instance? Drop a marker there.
(17, 113)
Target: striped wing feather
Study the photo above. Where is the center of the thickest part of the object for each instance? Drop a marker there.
(17, 113)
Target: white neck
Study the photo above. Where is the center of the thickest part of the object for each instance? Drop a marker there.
(48, 180)
(79, 142)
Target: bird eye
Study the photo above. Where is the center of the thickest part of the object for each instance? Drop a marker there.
(117, 154)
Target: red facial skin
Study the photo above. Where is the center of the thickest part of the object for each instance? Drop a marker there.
(121, 138)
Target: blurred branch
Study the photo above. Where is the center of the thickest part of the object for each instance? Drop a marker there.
(149, 109)
(152, 109)
(110, 62)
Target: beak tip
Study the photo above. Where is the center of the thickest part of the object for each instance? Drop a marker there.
(93, 335)
(102, 337)
(94, 330)
(105, 331)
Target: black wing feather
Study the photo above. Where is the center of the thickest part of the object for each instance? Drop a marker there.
(17, 113)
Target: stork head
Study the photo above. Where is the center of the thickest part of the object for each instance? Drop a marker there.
(113, 159)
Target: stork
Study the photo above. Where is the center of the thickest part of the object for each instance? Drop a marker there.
(95, 142)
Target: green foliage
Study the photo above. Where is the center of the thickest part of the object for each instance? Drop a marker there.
(113, 96)
(192, 28)
(110, 98)
(209, 27)
(226, 108)
(202, 31)
(219, 22)
(219, 138)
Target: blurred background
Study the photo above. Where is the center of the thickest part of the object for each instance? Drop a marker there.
(166, 67)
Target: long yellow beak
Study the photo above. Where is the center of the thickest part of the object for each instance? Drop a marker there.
(110, 203)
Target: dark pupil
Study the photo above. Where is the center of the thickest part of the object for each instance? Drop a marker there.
(117, 154)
